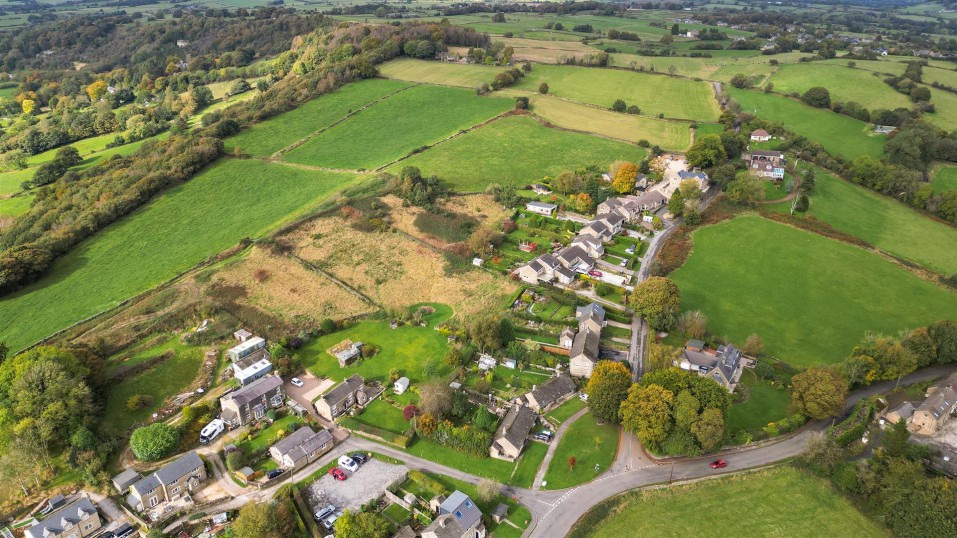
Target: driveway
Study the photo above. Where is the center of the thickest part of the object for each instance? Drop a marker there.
(312, 388)
(367, 483)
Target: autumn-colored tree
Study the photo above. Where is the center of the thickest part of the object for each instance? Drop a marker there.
(658, 300)
(818, 392)
(647, 413)
(571, 462)
(27, 105)
(693, 324)
(624, 180)
(435, 398)
(583, 202)
(606, 389)
(753, 346)
(408, 412)
(96, 90)
(362, 525)
(426, 424)
(661, 356)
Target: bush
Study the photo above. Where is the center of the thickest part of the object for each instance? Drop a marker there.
(234, 461)
(154, 442)
(136, 402)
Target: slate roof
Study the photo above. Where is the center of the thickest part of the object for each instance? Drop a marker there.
(542, 205)
(592, 311)
(940, 403)
(553, 389)
(612, 218)
(649, 199)
(176, 469)
(124, 480)
(726, 361)
(586, 343)
(343, 390)
(254, 390)
(460, 506)
(516, 425)
(568, 255)
(302, 442)
(56, 521)
(684, 174)
(598, 226)
(146, 485)
(565, 272)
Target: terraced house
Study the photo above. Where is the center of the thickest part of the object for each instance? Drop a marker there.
(77, 519)
(252, 401)
(170, 482)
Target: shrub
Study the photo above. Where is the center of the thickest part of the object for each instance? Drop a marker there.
(136, 402)
(234, 461)
(154, 442)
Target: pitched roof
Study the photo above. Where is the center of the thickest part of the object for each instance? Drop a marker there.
(302, 442)
(124, 480)
(766, 153)
(343, 390)
(516, 425)
(569, 254)
(553, 389)
(590, 312)
(146, 485)
(725, 360)
(254, 390)
(759, 132)
(56, 521)
(684, 174)
(176, 469)
(542, 205)
(597, 226)
(462, 508)
(940, 403)
(613, 218)
(585, 343)
(649, 199)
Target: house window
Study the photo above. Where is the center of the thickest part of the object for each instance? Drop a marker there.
(258, 412)
(175, 490)
(154, 501)
(87, 527)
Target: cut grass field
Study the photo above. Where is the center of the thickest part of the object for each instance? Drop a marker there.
(669, 135)
(524, 151)
(810, 298)
(272, 135)
(765, 404)
(130, 257)
(442, 73)
(653, 94)
(781, 501)
(844, 84)
(406, 348)
(383, 416)
(396, 126)
(882, 222)
(840, 135)
(944, 178)
(579, 440)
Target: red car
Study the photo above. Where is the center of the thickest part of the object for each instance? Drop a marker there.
(337, 473)
(594, 273)
(719, 464)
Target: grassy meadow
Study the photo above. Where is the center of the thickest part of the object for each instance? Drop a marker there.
(945, 106)
(396, 126)
(274, 134)
(840, 135)
(231, 200)
(653, 94)
(844, 84)
(810, 298)
(516, 151)
(883, 222)
(944, 178)
(15, 206)
(780, 501)
(442, 73)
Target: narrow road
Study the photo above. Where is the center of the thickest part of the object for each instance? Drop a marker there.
(553, 446)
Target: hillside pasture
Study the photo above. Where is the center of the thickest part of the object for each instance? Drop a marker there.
(274, 134)
(944, 177)
(882, 222)
(549, 52)
(810, 298)
(524, 151)
(840, 135)
(945, 109)
(653, 94)
(15, 206)
(442, 73)
(844, 84)
(170, 234)
(394, 127)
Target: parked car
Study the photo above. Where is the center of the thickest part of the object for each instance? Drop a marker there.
(348, 464)
(583, 397)
(275, 473)
(594, 272)
(330, 520)
(623, 263)
(124, 530)
(719, 464)
(631, 249)
(541, 437)
(547, 433)
(359, 457)
(324, 513)
(296, 382)
(337, 473)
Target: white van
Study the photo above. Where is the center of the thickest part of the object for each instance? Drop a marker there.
(211, 431)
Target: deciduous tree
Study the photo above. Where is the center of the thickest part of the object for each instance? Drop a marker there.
(154, 442)
(361, 525)
(658, 300)
(709, 429)
(606, 389)
(818, 392)
(435, 398)
(624, 179)
(706, 152)
(647, 412)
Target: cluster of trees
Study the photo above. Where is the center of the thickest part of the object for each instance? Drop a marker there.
(658, 300)
(274, 519)
(510, 77)
(47, 173)
(599, 59)
(621, 106)
(623, 36)
(908, 83)
(878, 357)
(671, 411)
(416, 189)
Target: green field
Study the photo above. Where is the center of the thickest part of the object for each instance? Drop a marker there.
(16, 206)
(10, 181)
(844, 84)
(810, 298)
(782, 501)
(580, 441)
(882, 222)
(944, 178)
(524, 476)
(653, 94)
(840, 135)
(443, 73)
(515, 151)
(381, 414)
(945, 106)
(272, 135)
(396, 126)
(563, 412)
(406, 348)
(169, 235)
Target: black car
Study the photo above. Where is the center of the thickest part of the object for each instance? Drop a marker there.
(124, 531)
(275, 473)
(359, 458)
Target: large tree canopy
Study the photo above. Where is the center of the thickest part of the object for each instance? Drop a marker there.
(658, 300)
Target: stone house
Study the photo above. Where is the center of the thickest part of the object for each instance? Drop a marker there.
(301, 447)
(342, 398)
(550, 394)
(251, 402)
(169, 483)
(512, 433)
(76, 519)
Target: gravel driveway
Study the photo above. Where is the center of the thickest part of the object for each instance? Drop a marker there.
(368, 483)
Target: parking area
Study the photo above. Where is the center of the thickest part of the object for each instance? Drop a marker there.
(369, 482)
(312, 387)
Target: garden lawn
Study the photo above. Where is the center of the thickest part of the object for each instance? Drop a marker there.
(394, 127)
(840, 135)
(780, 501)
(653, 94)
(525, 151)
(499, 470)
(442, 73)
(843, 83)
(397, 514)
(183, 226)
(406, 348)
(883, 222)
(383, 416)
(579, 441)
(267, 436)
(765, 404)
(774, 192)
(944, 178)
(563, 412)
(527, 468)
(517, 514)
(274, 134)
(670, 135)
(166, 379)
(16, 206)
(810, 298)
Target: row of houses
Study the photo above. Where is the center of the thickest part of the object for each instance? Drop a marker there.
(511, 437)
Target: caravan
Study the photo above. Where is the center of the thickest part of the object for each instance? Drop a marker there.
(211, 431)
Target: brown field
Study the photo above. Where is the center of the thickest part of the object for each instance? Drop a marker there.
(481, 207)
(395, 270)
(284, 288)
(547, 51)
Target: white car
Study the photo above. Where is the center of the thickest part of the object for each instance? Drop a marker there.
(348, 464)
(583, 397)
(296, 382)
